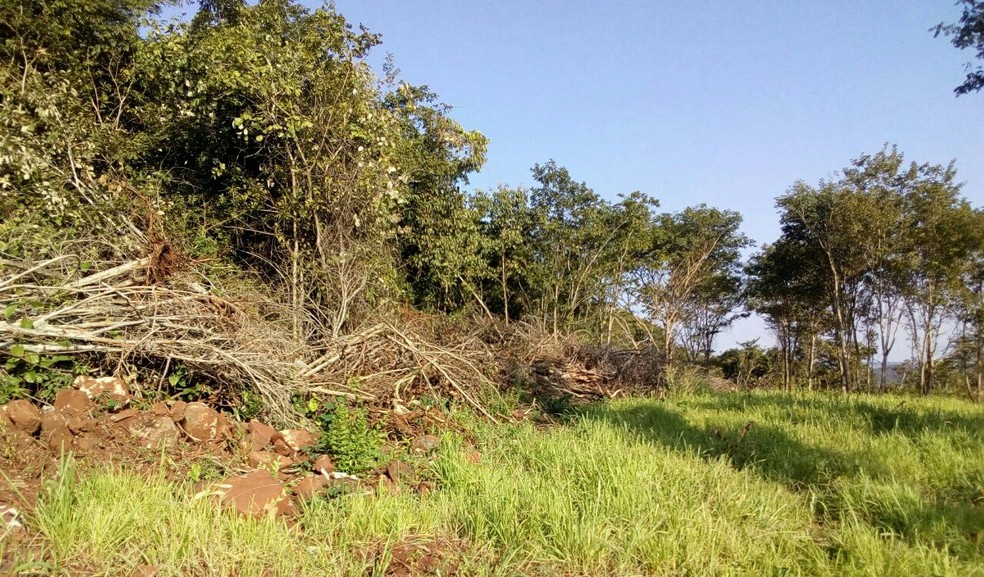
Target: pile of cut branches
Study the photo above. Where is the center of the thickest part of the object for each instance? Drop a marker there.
(146, 310)
(127, 312)
(389, 365)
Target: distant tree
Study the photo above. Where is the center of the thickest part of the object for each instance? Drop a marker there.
(787, 288)
(687, 250)
(968, 33)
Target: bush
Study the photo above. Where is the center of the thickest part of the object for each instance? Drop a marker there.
(353, 443)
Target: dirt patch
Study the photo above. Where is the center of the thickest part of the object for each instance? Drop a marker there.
(420, 556)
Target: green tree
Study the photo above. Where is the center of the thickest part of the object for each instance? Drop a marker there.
(968, 32)
(686, 249)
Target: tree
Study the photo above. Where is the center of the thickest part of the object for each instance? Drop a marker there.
(943, 239)
(787, 288)
(967, 33)
(832, 220)
(686, 251)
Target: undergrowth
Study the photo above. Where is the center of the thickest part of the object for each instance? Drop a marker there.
(736, 484)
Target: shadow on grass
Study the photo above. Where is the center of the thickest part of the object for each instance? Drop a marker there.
(764, 448)
(770, 451)
(859, 412)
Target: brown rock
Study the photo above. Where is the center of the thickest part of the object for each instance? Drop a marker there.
(260, 435)
(78, 426)
(269, 460)
(400, 471)
(473, 457)
(85, 443)
(324, 465)
(225, 428)
(17, 439)
(71, 403)
(200, 422)
(178, 411)
(310, 486)
(24, 416)
(124, 415)
(59, 440)
(256, 494)
(51, 421)
(281, 447)
(112, 389)
(298, 439)
(425, 487)
(160, 409)
(152, 431)
(425, 444)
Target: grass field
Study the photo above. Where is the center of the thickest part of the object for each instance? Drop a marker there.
(736, 484)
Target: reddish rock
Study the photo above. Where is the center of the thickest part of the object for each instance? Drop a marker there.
(51, 419)
(152, 431)
(72, 403)
(400, 471)
(200, 422)
(425, 444)
(269, 460)
(16, 439)
(160, 409)
(112, 389)
(310, 486)
(124, 415)
(85, 443)
(79, 426)
(178, 411)
(324, 465)
(281, 447)
(260, 435)
(24, 416)
(298, 439)
(225, 428)
(59, 440)
(425, 487)
(256, 494)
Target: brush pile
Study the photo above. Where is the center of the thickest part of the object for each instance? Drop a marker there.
(158, 311)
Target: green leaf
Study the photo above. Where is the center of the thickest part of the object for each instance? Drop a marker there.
(26, 323)
(17, 350)
(9, 311)
(85, 266)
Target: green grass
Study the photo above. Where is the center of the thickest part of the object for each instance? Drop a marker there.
(818, 485)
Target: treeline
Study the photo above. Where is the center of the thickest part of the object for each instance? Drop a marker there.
(889, 249)
(257, 136)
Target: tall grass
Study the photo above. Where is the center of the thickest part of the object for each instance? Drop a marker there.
(816, 485)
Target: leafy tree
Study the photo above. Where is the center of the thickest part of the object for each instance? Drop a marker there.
(686, 251)
(943, 237)
(787, 289)
(967, 33)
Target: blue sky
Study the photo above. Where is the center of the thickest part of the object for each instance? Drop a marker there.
(720, 103)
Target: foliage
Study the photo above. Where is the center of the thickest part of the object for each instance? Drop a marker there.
(968, 32)
(354, 444)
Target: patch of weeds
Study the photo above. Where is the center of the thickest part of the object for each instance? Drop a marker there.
(354, 444)
(30, 374)
(249, 407)
(205, 470)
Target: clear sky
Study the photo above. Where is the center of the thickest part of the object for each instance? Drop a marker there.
(724, 103)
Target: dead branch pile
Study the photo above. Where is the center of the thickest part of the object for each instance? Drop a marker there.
(52, 308)
(129, 312)
(564, 366)
(388, 365)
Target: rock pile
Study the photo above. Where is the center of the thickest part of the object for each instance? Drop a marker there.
(275, 469)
